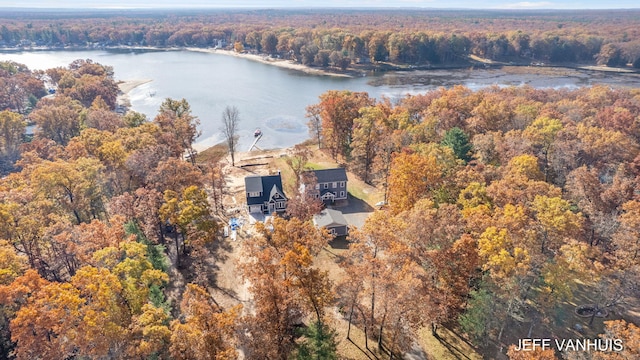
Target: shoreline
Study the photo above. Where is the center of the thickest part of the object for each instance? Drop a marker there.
(350, 73)
(265, 59)
(125, 87)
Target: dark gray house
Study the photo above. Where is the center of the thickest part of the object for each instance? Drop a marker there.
(332, 220)
(264, 194)
(331, 184)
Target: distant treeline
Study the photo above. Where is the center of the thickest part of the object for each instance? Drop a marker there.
(342, 38)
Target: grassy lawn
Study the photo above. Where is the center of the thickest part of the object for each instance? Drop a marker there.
(564, 319)
(561, 321)
(316, 166)
(364, 192)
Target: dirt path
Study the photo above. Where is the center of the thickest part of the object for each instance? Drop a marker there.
(229, 288)
(176, 285)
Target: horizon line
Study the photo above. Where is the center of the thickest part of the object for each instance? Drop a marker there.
(281, 7)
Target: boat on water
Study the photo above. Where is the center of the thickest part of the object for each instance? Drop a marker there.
(257, 133)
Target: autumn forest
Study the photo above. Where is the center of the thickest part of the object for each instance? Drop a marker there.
(510, 211)
(346, 38)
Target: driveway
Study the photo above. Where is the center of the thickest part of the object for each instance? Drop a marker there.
(356, 212)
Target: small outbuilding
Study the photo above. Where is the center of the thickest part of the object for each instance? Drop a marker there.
(332, 220)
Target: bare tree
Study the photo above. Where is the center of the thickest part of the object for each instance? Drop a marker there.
(230, 120)
(315, 122)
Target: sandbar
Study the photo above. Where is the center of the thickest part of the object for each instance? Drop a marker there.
(125, 87)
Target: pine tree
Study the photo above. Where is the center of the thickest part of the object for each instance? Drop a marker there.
(458, 141)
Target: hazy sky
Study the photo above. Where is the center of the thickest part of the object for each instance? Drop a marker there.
(469, 4)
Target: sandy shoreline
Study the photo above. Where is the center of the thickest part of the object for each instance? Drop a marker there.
(128, 85)
(125, 87)
(265, 59)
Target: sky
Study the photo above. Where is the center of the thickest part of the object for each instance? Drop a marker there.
(449, 4)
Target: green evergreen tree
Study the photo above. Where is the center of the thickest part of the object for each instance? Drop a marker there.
(155, 253)
(475, 320)
(458, 141)
(319, 343)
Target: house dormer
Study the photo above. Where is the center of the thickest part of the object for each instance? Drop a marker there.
(264, 194)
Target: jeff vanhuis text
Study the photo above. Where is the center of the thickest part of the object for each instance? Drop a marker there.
(590, 345)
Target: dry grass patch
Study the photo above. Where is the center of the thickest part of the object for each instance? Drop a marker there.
(449, 347)
(213, 155)
(287, 175)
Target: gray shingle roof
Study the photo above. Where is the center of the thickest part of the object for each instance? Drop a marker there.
(253, 183)
(330, 175)
(330, 217)
(266, 185)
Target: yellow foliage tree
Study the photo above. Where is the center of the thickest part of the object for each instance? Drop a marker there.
(629, 336)
(12, 265)
(537, 354)
(500, 256)
(150, 332)
(556, 220)
(105, 317)
(411, 178)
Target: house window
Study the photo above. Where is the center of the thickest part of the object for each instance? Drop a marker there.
(334, 185)
(341, 194)
(280, 205)
(342, 184)
(254, 194)
(326, 185)
(317, 186)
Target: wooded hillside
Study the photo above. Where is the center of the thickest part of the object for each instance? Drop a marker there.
(508, 208)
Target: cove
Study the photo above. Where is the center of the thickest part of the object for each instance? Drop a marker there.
(272, 98)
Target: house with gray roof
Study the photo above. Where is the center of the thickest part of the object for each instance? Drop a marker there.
(264, 194)
(331, 184)
(332, 220)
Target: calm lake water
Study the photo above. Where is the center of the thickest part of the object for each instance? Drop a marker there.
(271, 98)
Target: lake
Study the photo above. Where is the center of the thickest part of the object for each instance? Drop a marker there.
(272, 98)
